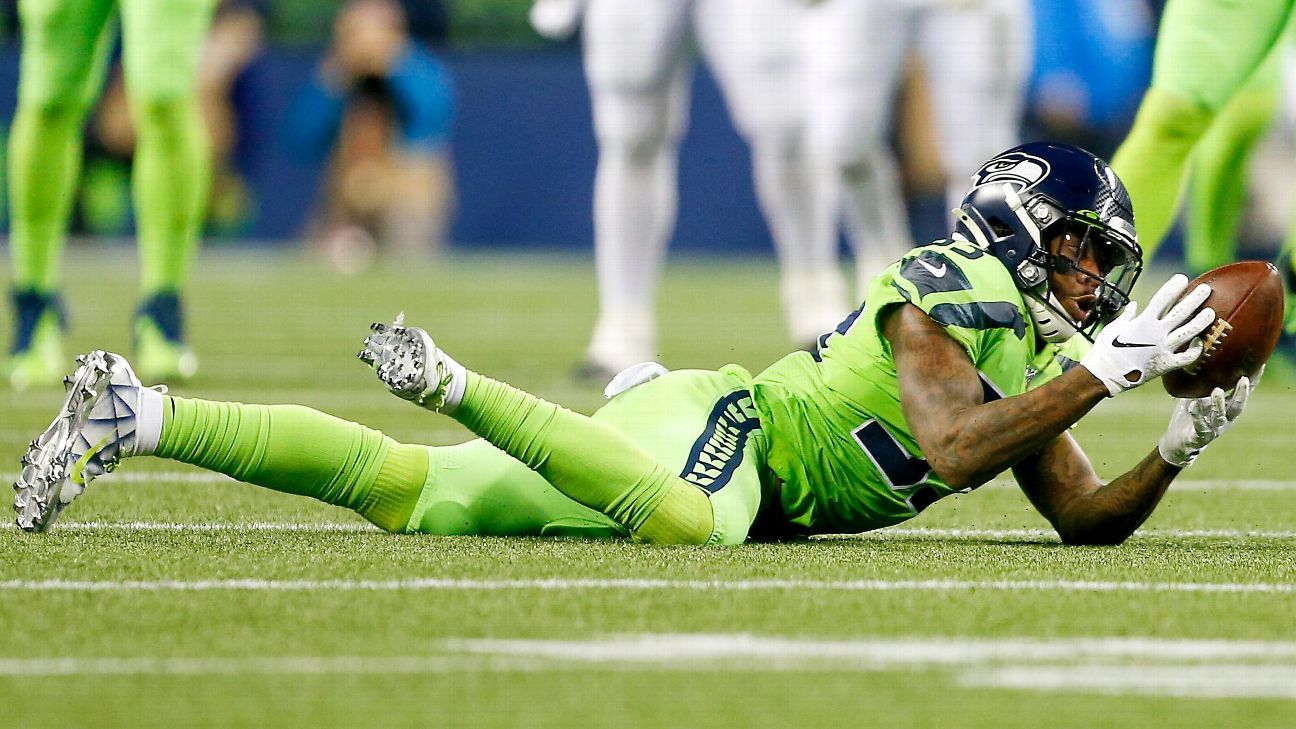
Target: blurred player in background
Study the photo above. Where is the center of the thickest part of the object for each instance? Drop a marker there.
(1208, 55)
(637, 63)
(65, 49)
(975, 57)
(379, 108)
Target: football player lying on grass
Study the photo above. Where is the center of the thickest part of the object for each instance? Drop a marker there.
(970, 356)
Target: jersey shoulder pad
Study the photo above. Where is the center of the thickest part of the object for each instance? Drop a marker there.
(958, 284)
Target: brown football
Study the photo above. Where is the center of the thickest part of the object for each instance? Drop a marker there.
(1248, 301)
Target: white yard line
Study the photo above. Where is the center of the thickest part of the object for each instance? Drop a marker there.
(1138, 665)
(1206, 681)
(144, 666)
(1193, 484)
(564, 584)
(959, 533)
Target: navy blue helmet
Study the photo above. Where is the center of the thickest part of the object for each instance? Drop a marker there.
(1023, 198)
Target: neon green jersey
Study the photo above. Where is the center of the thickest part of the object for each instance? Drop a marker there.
(837, 434)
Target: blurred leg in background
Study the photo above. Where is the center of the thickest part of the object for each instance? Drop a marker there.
(1219, 170)
(162, 42)
(856, 51)
(756, 50)
(975, 62)
(64, 56)
(637, 68)
(1206, 50)
(977, 59)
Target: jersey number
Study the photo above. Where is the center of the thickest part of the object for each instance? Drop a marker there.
(901, 470)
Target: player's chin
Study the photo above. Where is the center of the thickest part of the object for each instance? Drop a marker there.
(1081, 307)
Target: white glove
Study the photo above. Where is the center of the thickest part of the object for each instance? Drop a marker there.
(556, 19)
(1140, 347)
(1196, 422)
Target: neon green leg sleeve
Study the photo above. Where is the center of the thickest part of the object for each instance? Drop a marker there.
(588, 461)
(1152, 160)
(297, 450)
(169, 186)
(162, 41)
(1219, 173)
(64, 55)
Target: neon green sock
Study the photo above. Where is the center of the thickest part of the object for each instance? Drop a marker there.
(297, 450)
(588, 461)
(1152, 159)
(169, 184)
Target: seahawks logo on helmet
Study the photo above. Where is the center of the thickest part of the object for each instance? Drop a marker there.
(1014, 168)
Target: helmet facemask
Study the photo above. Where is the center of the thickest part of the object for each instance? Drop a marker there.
(1023, 200)
(1109, 246)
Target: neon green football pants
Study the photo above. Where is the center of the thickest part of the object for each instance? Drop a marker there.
(696, 423)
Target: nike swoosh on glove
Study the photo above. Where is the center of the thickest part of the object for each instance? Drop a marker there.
(1139, 347)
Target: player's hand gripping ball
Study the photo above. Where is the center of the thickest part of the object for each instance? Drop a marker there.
(1248, 301)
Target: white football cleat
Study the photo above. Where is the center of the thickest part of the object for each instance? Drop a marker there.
(107, 414)
(410, 365)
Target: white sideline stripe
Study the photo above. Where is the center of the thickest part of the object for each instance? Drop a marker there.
(1207, 681)
(563, 584)
(1138, 665)
(881, 534)
(200, 477)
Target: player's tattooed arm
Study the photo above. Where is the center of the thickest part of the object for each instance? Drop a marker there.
(968, 441)
(1062, 484)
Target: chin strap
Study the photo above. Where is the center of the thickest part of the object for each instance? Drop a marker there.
(1050, 323)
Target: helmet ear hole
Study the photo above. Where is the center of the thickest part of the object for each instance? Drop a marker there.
(999, 227)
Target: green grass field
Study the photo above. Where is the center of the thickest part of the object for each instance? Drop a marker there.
(168, 597)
